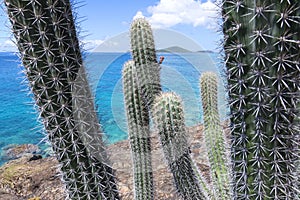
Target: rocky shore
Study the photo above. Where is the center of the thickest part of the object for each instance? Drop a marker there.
(38, 179)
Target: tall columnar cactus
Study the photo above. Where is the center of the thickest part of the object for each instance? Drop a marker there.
(49, 49)
(262, 59)
(169, 120)
(139, 133)
(141, 83)
(214, 137)
(144, 56)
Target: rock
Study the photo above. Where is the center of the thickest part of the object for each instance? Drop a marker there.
(40, 178)
(17, 151)
(35, 157)
(7, 196)
(120, 155)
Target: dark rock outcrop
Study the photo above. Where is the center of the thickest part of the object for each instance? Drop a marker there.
(17, 151)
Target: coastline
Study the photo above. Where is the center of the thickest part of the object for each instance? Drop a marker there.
(21, 179)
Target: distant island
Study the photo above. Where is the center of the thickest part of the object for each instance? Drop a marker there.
(174, 49)
(206, 51)
(177, 49)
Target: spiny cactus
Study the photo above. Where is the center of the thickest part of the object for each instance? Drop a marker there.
(139, 133)
(144, 56)
(169, 120)
(141, 84)
(215, 137)
(49, 49)
(262, 59)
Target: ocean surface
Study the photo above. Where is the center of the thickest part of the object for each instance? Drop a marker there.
(180, 73)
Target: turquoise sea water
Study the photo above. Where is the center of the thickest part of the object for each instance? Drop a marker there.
(180, 73)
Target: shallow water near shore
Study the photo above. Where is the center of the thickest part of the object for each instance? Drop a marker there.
(180, 73)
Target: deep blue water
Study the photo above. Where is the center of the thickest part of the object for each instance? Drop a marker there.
(180, 73)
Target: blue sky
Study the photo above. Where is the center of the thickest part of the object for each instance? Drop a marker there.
(101, 20)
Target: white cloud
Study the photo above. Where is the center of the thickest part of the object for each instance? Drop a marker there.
(91, 44)
(8, 45)
(168, 13)
(139, 14)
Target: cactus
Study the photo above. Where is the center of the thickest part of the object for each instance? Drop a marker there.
(169, 120)
(141, 84)
(144, 56)
(262, 60)
(139, 133)
(214, 137)
(49, 49)
(261, 44)
(147, 80)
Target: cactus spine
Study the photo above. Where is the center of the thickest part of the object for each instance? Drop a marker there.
(139, 133)
(169, 120)
(262, 60)
(214, 137)
(49, 49)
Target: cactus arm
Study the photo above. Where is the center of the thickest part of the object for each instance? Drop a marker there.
(139, 133)
(51, 77)
(144, 56)
(261, 60)
(82, 100)
(169, 120)
(85, 117)
(214, 137)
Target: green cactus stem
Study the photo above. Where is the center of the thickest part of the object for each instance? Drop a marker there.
(49, 49)
(144, 56)
(215, 137)
(169, 120)
(139, 133)
(261, 43)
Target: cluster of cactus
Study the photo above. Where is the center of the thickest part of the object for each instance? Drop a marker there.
(261, 44)
(144, 99)
(262, 63)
